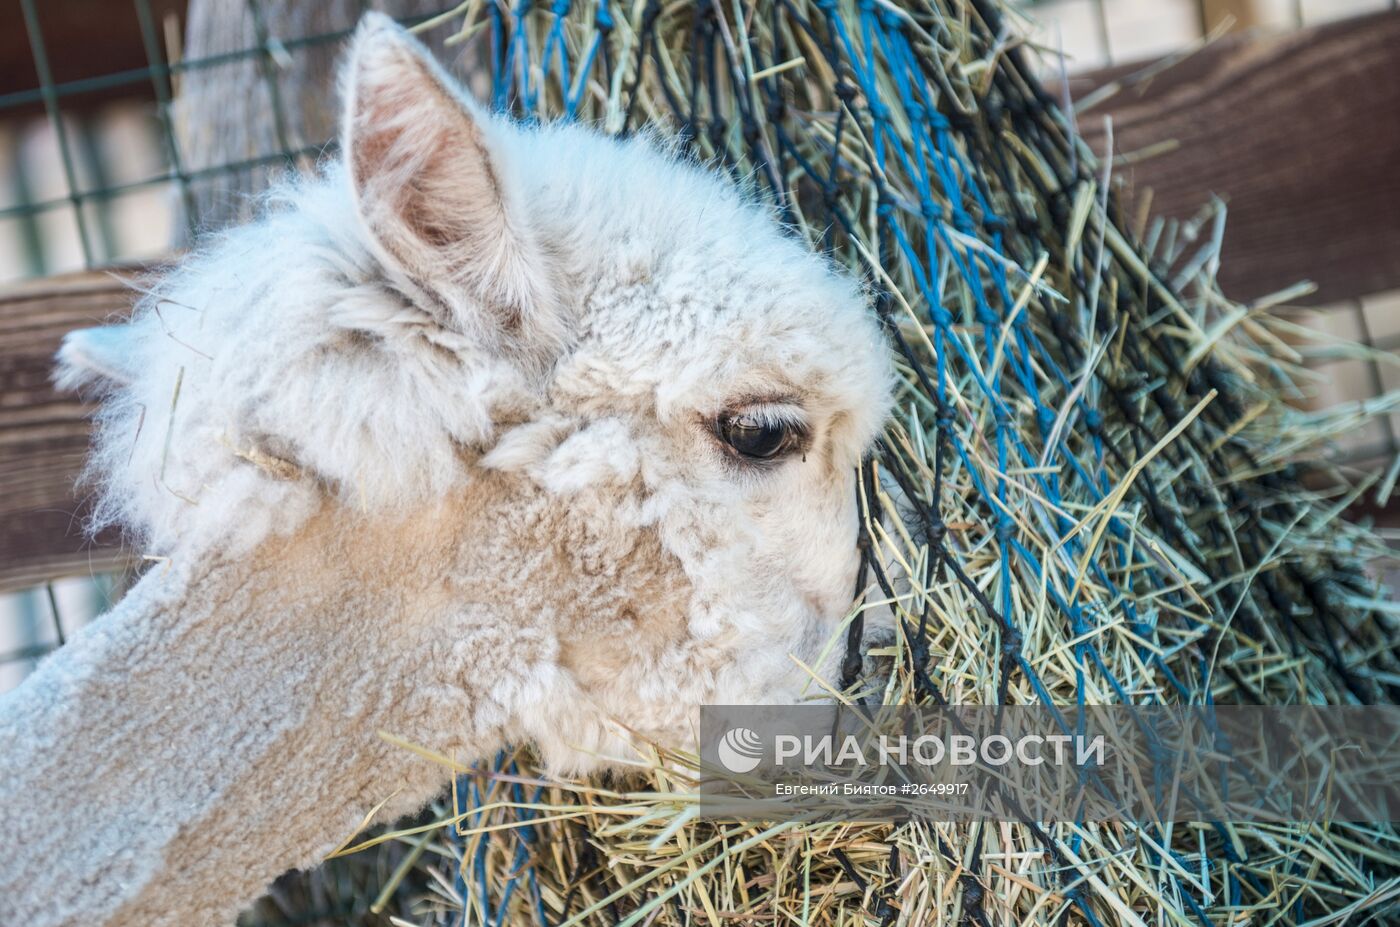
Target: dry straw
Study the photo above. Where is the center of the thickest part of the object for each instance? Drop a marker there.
(1110, 498)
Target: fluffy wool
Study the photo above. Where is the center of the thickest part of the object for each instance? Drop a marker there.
(435, 449)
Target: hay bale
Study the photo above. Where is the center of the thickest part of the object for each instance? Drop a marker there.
(1108, 483)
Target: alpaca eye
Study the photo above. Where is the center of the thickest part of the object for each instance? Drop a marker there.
(757, 437)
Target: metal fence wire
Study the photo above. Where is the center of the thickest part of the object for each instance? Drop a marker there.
(67, 104)
(88, 190)
(947, 192)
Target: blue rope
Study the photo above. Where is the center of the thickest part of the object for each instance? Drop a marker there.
(996, 351)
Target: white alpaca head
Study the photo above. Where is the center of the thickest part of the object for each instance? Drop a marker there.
(590, 327)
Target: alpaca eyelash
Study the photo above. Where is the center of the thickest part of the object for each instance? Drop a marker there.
(762, 435)
(781, 416)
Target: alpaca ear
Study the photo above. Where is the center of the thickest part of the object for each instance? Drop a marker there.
(435, 194)
(102, 355)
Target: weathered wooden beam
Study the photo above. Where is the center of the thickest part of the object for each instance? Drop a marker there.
(44, 432)
(1298, 132)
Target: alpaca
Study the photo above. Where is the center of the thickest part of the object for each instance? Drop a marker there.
(490, 434)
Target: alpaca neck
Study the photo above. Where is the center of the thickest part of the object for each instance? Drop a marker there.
(221, 725)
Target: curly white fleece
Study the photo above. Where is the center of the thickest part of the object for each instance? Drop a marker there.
(432, 449)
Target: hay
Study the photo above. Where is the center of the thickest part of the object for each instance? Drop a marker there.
(1111, 499)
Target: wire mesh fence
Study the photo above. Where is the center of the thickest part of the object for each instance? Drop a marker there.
(186, 183)
(1098, 33)
(78, 205)
(81, 192)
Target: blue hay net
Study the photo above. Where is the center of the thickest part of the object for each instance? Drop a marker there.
(955, 190)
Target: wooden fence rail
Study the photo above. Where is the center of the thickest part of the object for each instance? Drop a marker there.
(1299, 132)
(44, 432)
